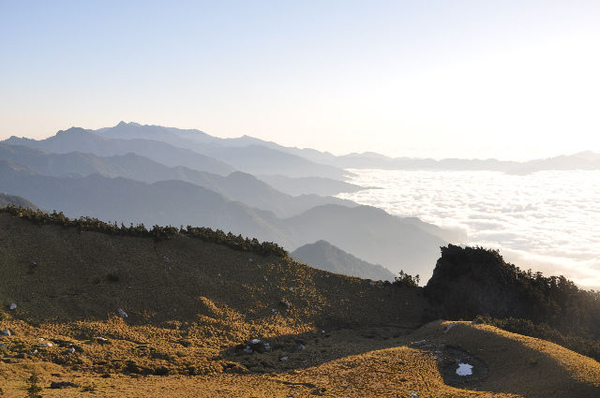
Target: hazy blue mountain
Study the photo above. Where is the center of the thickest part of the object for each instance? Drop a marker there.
(249, 190)
(309, 185)
(6, 200)
(257, 160)
(365, 232)
(79, 163)
(369, 160)
(375, 236)
(246, 153)
(307, 153)
(182, 138)
(237, 186)
(325, 164)
(324, 255)
(123, 200)
(580, 161)
(86, 141)
(450, 235)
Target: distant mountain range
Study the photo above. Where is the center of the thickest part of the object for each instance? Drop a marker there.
(259, 157)
(579, 161)
(367, 232)
(158, 175)
(237, 186)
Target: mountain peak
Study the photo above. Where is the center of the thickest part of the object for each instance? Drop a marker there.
(125, 124)
(325, 256)
(73, 131)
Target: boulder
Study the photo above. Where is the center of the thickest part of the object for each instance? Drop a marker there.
(122, 313)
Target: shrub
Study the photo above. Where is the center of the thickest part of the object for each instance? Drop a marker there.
(157, 232)
(33, 391)
(404, 279)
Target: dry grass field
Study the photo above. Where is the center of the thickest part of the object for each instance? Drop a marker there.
(193, 309)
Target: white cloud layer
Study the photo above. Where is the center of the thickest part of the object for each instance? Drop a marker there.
(547, 221)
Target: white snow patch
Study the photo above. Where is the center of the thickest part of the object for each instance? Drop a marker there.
(464, 369)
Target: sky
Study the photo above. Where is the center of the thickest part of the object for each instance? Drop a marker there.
(511, 79)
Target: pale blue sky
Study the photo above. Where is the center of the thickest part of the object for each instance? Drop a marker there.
(506, 79)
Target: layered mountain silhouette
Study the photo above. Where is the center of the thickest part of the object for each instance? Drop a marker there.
(250, 155)
(86, 141)
(6, 200)
(237, 186)
(309, 185)
(325, 256)
(131, 173)
(366, 232)
(369, 160)
(112, 300)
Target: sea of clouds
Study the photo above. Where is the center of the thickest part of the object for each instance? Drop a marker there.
(547, 221)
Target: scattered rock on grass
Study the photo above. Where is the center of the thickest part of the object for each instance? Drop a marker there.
(449, 327)
(253, 345)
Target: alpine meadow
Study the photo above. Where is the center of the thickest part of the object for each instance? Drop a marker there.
(321, 198)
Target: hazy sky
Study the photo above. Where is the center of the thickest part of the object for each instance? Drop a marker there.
(507, 79)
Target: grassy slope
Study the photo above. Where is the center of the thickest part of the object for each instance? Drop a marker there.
(191, 302)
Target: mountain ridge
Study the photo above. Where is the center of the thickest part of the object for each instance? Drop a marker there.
(323, 255)
(583, 160)
(368, 233)
(171, 314)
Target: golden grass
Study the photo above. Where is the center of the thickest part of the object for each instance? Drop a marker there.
(191, 303)
(367, 362)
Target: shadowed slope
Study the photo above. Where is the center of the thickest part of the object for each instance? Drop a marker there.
(83, 274)
(190, 303)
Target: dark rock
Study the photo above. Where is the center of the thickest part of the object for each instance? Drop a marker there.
(122, 313)
(256, 345)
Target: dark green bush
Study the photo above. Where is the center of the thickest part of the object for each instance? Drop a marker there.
(158, 233)
(404, 279)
